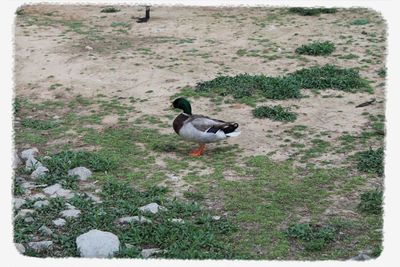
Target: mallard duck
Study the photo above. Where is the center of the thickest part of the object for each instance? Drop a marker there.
(200, 129)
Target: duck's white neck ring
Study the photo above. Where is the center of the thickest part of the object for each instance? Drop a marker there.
(185, 114)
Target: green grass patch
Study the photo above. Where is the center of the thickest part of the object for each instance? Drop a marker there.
(331, 76)
(276, 113)
(371, 161)
(39, 124)
(61, 162)
(316, 48)
(200, 237)
(313, 237)
(110, 9)
(371, 202)
(361, 21)
(245, 86)
(311, 11)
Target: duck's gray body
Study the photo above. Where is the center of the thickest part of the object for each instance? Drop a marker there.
(202, 129)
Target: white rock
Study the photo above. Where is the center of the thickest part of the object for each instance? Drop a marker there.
(65, 193)
(97, 244)
(29, 153)
(32, 164)
(40, 203)
(41, 245)
(37, 197)
(23, 213)
(173, 177)
(361, 257)
(216, 218)
(16, 160)
(69, 206)
(45, 230)
(20, 248)
(94, 198)
(149, 252)
(177, 220)
(59, 222)
(18, 202)
(152, 207)
(40, 171)
(27, 185)
(51, 190)
(129, 219)
(28, 219)
(88, 47)
(70, 213)
(57, 191)
(82, 173)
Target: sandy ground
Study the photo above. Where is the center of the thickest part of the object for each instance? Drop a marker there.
(181, 46)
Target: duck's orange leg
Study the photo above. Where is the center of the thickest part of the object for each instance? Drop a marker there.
(199, 151)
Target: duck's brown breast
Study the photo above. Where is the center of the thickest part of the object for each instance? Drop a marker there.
(178, 122)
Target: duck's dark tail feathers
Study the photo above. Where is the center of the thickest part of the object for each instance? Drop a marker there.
(229, 127)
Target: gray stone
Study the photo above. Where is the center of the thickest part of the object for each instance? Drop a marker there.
(40, 203)
(82, 173)
(146, 253)
(152, 207)
(173, 177)
(37, 197)
(65, 193)
(24, 212)
(45, 230)
(18, 202)
(57, 191)
(69, 206)
(41, 245)
(361, 257)
(177, 220)
(32, 164)
(51, 190)
(27, 185)
(40, 171)
(20, 248)
(29, 153)
(16, 160)
(59, 222)
(216, 218)
(129, 219)
(70, 213)
(97, 244)
(28, 219)
(94, 198)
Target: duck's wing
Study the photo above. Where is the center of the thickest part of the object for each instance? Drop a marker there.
(207, 124)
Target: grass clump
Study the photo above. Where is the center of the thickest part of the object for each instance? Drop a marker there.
(276, 113)
(331, 76)
(110, 9)
(38, 124)
(371, 202)
(312, 236)
(360, 22)
(311, 11)
(60, 163)
(316, 48)
(382, 72)
(245, 85)
(371, 161)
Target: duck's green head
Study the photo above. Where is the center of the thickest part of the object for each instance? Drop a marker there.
(182, 104)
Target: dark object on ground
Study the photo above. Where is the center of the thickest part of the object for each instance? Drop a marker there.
(366, 103)
(146, 18)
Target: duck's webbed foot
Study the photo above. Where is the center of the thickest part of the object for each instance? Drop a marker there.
(199, 151)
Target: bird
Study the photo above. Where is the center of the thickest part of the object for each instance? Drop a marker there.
(147, 16)
(200, 129)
